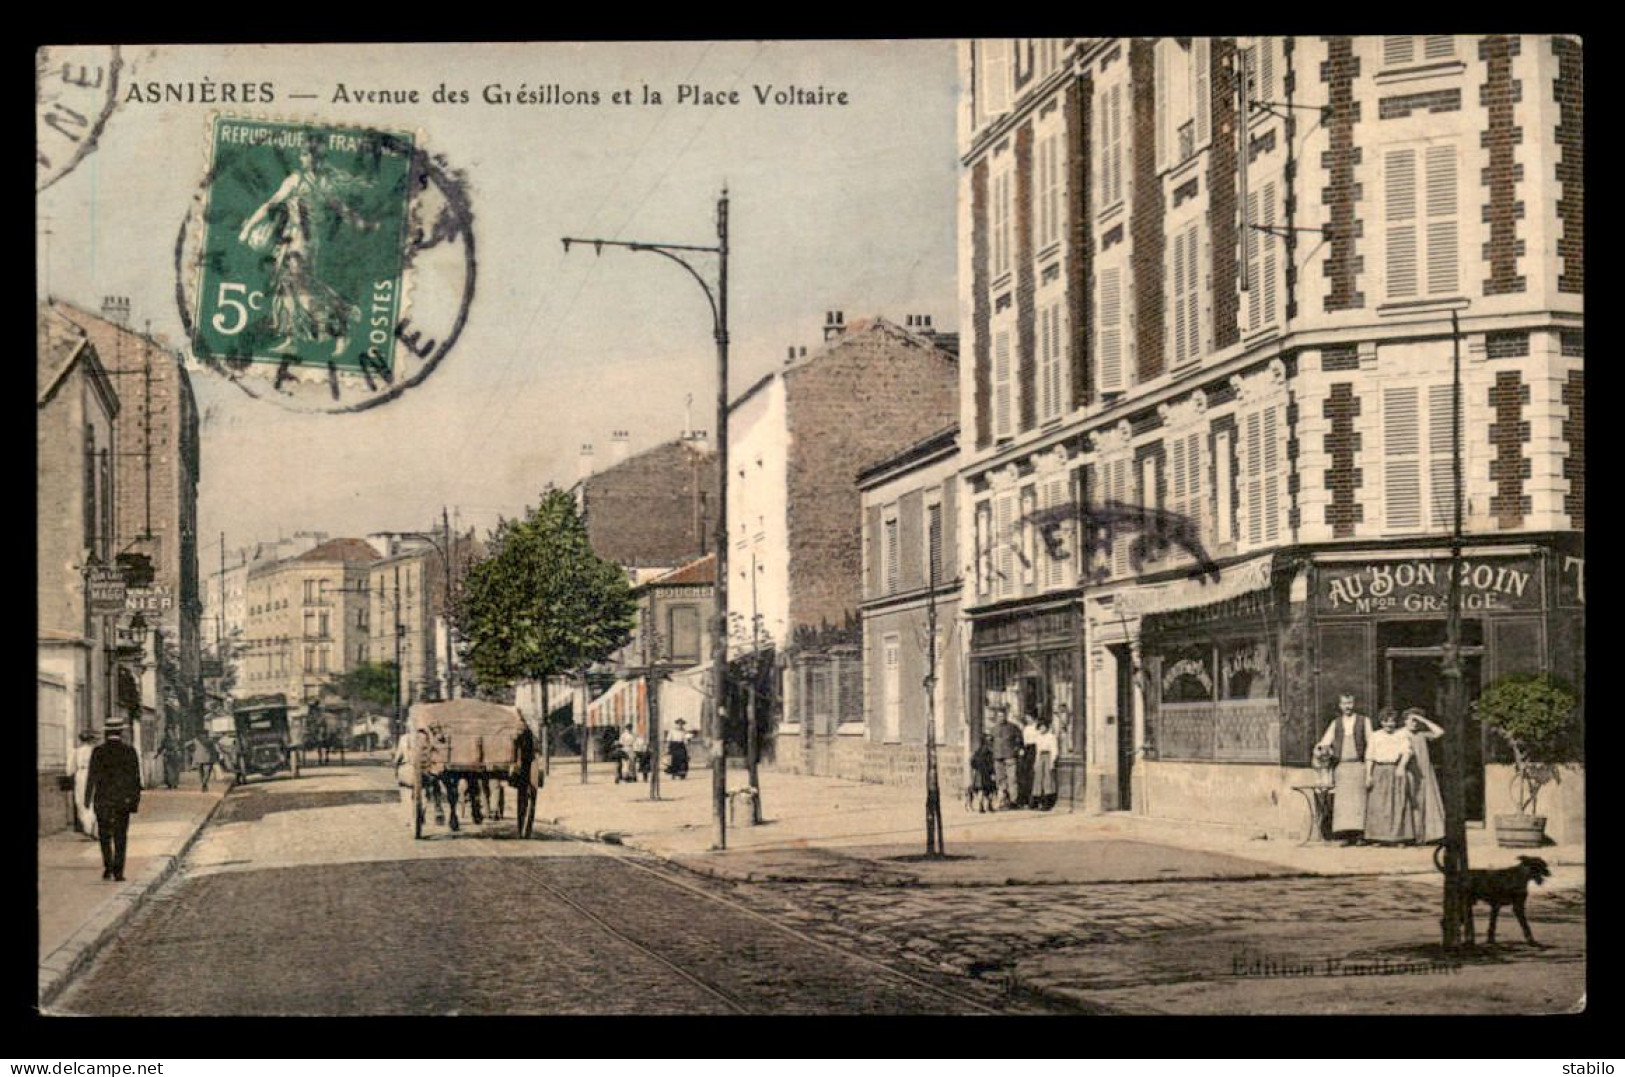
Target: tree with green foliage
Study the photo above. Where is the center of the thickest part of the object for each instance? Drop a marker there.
(368, 683)
(1535, 714)
(541, 603)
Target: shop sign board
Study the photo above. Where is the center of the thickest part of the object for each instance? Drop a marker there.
(105, 590)
(1422, 585)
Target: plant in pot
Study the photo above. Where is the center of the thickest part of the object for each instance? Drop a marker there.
(1535, 715)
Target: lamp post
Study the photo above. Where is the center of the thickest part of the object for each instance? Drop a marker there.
(718, 300)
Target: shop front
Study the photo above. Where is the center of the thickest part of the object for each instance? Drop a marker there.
(1030, 661)
(1381, 625)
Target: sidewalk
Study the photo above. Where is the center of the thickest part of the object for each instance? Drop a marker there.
(829, 829)
(79, 912)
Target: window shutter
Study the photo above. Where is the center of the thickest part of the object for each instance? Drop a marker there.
(1397, 51)
(1178, 475)
(1119, 492)
(1179, 299)
(1268, 249)
(1046, 363)
(1098, 171)
(1266, 70)
(891, 555)
(1400, 189)
(1004, 545)
(996, 75)
(1025, 530)
(1193, 294)
(1272, 478)
(1202, 63)
(1003, 396)
(984, 541)
(1441, 459)
(1438, 46)
(1111, 330)
(1223, 463)
(1253, 494)
(1117, 143)
(1402, 478)
(1250, 243)
(933, 543)
(1443, 274)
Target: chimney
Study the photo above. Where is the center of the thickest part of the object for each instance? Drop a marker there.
(116, 308)
(791, 356)
(698, 439)
(921, 324)
(834, 324)
(620, 447)
(584, 465)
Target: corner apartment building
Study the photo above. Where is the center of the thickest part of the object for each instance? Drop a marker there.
(156, 456)
(1213, 293)
(797, 439)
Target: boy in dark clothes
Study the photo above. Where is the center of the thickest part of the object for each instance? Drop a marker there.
(983, 782)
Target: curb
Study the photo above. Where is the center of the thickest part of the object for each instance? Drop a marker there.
(58, 969)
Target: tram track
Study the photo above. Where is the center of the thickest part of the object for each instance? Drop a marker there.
(800, 940)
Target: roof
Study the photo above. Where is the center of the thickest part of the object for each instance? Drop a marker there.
(700, 571)
(60, 343)
(342, 549)
(855, 329)
(940, 443)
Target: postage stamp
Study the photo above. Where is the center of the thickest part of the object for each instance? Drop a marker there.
(302, 249)
(296, 267)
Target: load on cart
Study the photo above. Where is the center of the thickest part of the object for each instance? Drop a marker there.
(472, 742)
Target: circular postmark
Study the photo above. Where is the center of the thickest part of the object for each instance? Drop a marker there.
(75, 91)
(327, 268)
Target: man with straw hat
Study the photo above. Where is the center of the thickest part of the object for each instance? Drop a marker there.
(114, 790)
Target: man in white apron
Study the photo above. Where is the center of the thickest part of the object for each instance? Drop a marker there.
(1348, 736)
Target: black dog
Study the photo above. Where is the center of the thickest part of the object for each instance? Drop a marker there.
(1502, 886)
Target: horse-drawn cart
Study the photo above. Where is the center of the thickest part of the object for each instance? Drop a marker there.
(469, 740)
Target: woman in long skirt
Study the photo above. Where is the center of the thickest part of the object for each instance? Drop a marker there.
(1427, 804)
(1388, 816)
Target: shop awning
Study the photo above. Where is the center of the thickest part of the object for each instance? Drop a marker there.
(623, 703)
(1196, 590)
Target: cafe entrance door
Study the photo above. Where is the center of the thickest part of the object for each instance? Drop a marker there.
(1414, 679)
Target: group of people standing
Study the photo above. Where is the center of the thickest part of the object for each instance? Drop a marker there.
(634, 757)
(1385, 791)
(1017, 759)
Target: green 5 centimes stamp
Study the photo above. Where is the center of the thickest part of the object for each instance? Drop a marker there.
(304, 247)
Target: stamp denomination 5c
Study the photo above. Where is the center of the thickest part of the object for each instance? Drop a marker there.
(302, 250)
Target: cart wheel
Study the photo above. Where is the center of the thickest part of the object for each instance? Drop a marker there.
(417, 809)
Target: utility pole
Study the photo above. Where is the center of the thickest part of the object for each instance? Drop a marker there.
(447, 562)
(586, 730)
(651, 682)
(751, 736)
(933, 792)
(1455, 800)
(400, 631)
(719, 638)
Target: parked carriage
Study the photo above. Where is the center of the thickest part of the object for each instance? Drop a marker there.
(463, 739)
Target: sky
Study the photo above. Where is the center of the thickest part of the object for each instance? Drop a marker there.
(832, 207)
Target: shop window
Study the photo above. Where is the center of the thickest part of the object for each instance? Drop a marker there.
(684, 633)
(1246, 671)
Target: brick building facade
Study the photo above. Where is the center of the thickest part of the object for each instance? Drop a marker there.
(798, 439)
(1255, 262)
(654, 509)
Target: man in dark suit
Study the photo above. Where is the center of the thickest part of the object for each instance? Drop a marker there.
(524, 742)
(114, 791)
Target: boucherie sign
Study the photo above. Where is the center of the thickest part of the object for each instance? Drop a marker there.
(1418, 586)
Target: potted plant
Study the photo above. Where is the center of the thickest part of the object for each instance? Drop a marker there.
(1535, 715)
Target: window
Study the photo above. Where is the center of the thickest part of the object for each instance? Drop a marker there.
(310, 659)
(933, 542)
(310, 622)
(1418, 462)
(893, 687)
(1004, 544)
(984, 547)
(1029, 508)
(1403, 51)
(321, 660)
(1114, 492)
(1185, 487)
(1422, 225)
(1262, 482)
(1056, 543)
(1186, 308)
(889, 552)
(310, 592)
(1109, 146)
(1047, 179)
(1259, 58)
(1223, 519)
(683, 633)
(1111, 330)
(1051, 372)
(994, 77)
(1004, 402)
(1184, 109)
(1151, 500)
(323, 625)
(1003, 223)
(1261, 250)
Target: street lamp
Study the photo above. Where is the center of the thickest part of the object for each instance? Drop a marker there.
(719, 636)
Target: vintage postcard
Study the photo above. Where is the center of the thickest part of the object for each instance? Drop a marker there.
(1029, 526)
